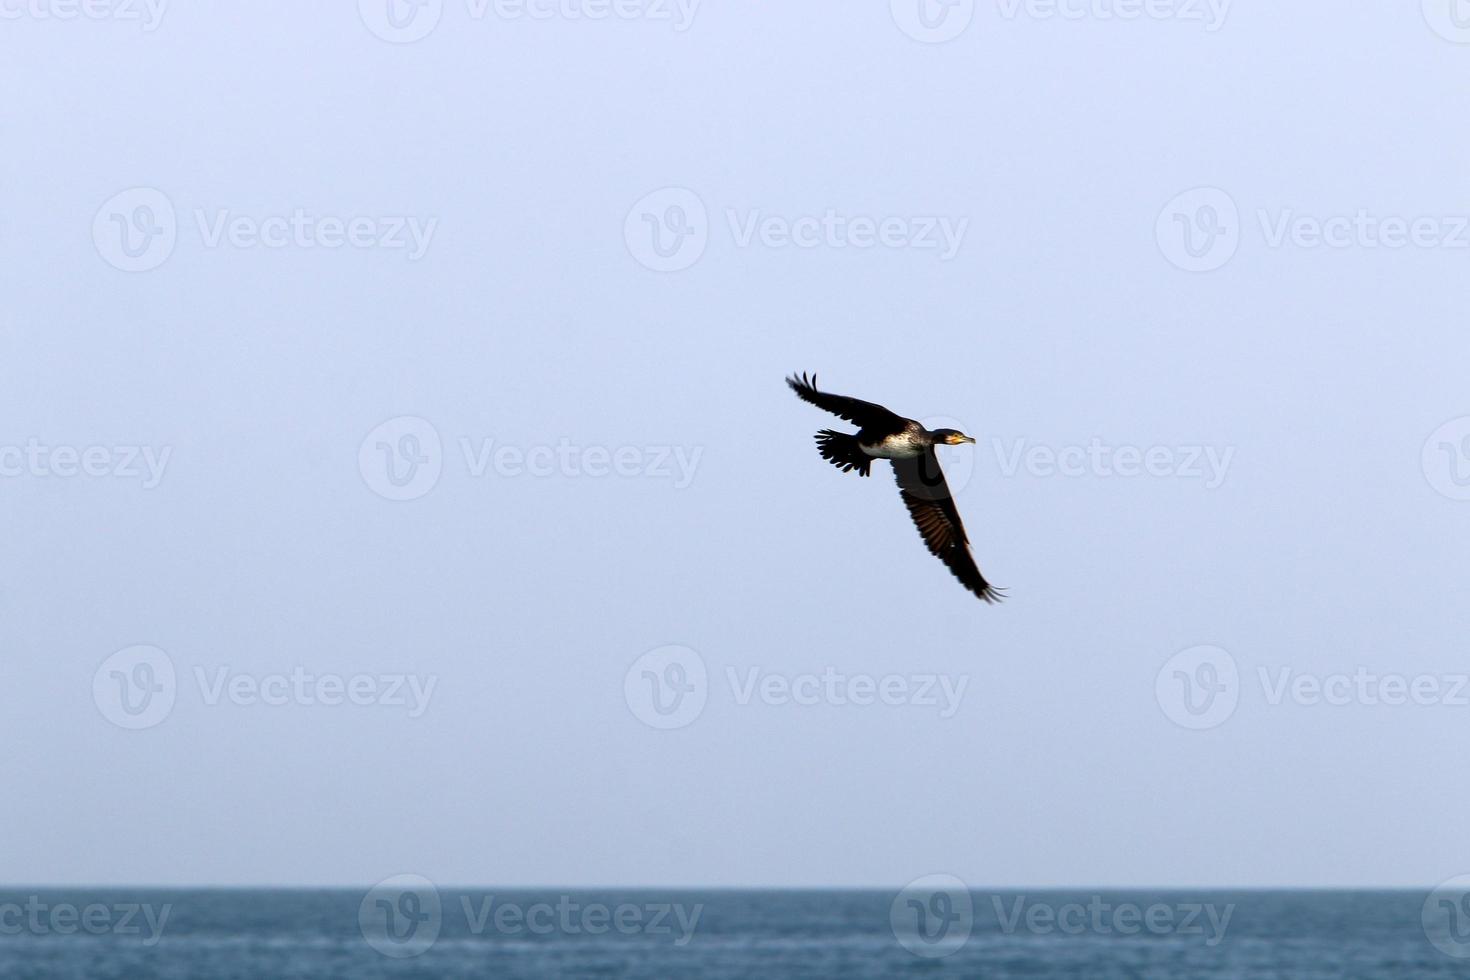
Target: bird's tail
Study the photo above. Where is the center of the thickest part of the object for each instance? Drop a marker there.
(842, 451)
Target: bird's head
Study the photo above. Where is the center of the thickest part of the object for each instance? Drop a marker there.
(951, 437)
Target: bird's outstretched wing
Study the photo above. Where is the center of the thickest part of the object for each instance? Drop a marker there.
(922, 485)
(865, 415)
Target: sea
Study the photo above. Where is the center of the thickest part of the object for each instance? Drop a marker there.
(408, 928)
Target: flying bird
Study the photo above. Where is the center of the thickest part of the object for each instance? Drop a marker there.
(910, 448)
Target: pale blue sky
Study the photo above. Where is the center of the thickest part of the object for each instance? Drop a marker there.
(518, 147)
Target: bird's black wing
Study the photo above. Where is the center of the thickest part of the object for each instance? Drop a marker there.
(922, 485)
(865, 415)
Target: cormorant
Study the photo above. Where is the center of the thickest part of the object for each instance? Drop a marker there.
(910, 448)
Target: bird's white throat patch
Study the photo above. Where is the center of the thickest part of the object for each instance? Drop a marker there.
(901, 446)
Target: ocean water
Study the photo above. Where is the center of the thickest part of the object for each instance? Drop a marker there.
(407, 928)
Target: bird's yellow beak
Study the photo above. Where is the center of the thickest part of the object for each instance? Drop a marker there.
(958, 439)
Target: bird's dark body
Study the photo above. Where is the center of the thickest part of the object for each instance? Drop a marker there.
(910, 448)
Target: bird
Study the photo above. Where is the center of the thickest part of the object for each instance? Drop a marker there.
(909, 447)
